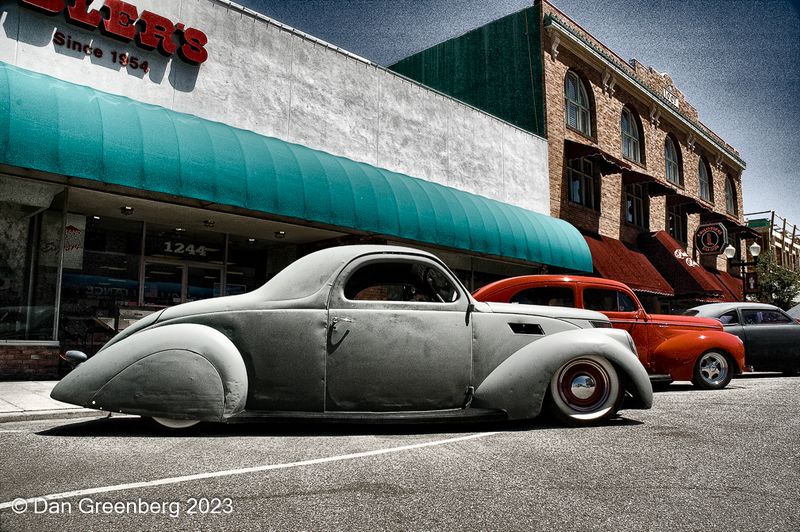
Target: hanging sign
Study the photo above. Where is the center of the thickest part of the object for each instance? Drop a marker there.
(123, 22)
(711, 239)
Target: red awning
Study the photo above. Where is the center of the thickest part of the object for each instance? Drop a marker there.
(731, 285)
(614, 260)
(686, 276)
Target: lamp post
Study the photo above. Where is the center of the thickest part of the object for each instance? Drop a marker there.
(730, 252)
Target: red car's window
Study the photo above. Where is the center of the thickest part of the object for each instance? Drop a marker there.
(556, 296)
(607, 300)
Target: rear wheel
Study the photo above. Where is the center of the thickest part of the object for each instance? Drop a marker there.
(712, 371)
(175, 423)
(585, 390)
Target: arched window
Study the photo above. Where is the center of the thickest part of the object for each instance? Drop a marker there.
(631, 143)
(577, 104)
(673, 166)
(704, 177)
(731, 201)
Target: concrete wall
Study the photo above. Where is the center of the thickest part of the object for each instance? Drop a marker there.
(265, 78)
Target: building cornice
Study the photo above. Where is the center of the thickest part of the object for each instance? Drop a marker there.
(556, 26)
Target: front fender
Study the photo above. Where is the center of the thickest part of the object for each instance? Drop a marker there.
(519, 384)
(179, 371)
(677, 355)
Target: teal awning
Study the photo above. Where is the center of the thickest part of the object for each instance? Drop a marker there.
(53, 126)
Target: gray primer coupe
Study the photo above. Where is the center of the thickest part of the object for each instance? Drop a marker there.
(362, 333)
(771, 337)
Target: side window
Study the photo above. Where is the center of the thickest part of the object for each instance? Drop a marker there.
(607, 300)
(556, 296)
(400, 281)
(770, 317)
(764, 317)
(729, 318)
(625, 303)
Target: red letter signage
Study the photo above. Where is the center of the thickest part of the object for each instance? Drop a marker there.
(121, 20)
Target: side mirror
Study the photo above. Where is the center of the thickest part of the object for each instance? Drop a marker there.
(74, 358)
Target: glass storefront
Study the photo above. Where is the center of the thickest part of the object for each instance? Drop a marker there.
(31, 228)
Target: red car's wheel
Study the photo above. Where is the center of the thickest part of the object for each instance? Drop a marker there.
(712, 371)
(585, 390)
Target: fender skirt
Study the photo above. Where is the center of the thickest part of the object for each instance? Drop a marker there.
(180, 371)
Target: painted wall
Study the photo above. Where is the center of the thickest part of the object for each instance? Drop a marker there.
(265, 78)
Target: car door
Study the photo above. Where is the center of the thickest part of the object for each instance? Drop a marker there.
(772, 339)
(624, 311)
(398, 338)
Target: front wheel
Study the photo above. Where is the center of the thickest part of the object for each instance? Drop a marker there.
(584, 391)
(712, 371)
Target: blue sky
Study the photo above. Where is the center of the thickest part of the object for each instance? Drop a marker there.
(737, 61)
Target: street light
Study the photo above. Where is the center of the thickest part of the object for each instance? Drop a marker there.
(730, 252)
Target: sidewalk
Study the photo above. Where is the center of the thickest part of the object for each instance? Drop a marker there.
(29, 400)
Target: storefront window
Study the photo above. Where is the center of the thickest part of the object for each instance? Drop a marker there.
(247, 264)
(101, 278)
(31, 224)
(181, 265)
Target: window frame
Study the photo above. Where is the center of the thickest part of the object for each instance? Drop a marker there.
(635, 195)
(586, 182)
(731, 198)
(672, 160)
(631, 139)
(582, 105)
(704, 170)
(678, 218)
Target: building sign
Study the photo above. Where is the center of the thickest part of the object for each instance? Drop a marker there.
(711, 239)
(670, 96)
(681, 255)
(123, 22)
(751, 282)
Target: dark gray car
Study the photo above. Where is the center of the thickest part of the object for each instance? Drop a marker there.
(771, 337)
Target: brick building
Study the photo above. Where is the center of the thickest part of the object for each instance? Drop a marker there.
(631, 164)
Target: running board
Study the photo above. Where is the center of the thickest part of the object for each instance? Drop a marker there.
(433, 416)
(660, 379)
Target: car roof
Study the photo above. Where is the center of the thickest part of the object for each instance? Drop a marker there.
(308, 274)
(714, 309)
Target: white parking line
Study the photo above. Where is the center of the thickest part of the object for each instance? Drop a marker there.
(243, 471)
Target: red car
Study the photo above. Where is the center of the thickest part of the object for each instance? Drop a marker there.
(679, 348)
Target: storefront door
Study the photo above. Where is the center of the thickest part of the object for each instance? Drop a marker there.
(172, 283)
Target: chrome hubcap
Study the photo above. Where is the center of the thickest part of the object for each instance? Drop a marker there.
(713, 368)
(583, 386)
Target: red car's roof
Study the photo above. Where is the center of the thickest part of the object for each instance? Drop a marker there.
(522, 280)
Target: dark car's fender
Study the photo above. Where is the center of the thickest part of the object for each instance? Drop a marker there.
(677, 355)
(520, 383)
(181, 371)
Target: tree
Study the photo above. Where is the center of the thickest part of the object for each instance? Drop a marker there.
(777, 285)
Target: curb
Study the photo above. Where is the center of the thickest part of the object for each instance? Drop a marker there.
(36, 415)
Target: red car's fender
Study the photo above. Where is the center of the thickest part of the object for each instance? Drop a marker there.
(678, 355)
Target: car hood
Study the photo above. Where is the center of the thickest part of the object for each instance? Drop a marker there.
(686, 321)
(547, 311)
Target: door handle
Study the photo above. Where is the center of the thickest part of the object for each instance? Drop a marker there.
(337, 319)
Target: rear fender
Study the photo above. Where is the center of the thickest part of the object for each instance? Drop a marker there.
(678, 354)
(181, 371)
(519, 384)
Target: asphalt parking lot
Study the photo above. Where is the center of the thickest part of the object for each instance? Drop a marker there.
(720, 460)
